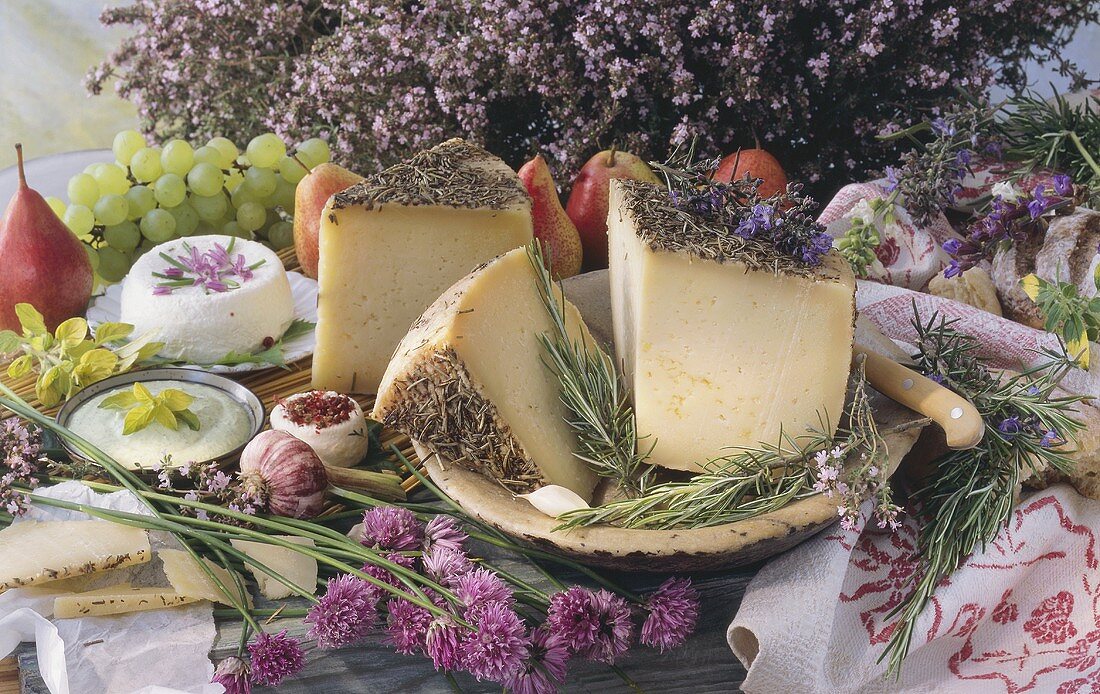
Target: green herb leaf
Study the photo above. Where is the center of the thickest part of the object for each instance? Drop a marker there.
(164, 416)
(95, 365)
(71, 332)
(30, 319)
(175, 399)
(9, 341)
(142, 393)
(122, 400)
(297, 328)
(20, 366)
(112, 332)
(138, 418)
(189, 418)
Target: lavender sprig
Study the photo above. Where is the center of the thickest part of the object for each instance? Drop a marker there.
(20, 460)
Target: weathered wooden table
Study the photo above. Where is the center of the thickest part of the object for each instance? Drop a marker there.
(704, 664)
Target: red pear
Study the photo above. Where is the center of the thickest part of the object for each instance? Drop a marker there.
(44, 264)
(313, 191)
(559, 238)
(756, 163)
(587, 205)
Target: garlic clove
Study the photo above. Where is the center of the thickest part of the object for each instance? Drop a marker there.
(555, 500)
(356, 532)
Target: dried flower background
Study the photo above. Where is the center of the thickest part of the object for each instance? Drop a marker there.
(815, 82)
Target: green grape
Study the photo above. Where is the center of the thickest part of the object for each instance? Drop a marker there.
(126, 145)
(93, 256)
(123, 237)
(57, 205)
(141, 199)
(233, 180)
(177, 157)
(145, 165)
(209, 208)
(170, 190)
(186, 219)
(282, 197)
(226, 148)
(79, 219)
(111, 209)
(111, 180)
(314, 151)
(242, 195)
(83, 190)
(292, 170)
(251, 216)
(158, 226)
(206, 179)
(90, 168)
(113, 264)
(234, 229)
(265, 150)
(208, 155)
(205, 229)
(261, 182)
(280, 235)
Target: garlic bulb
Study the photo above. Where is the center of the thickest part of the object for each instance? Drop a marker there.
(286, 473)
(555, 500)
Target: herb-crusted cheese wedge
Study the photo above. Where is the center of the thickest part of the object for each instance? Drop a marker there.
(393, 243)
(469, 381)
(121, 599)
(35, 552)
(725, 341)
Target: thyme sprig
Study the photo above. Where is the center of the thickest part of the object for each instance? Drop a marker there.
(970, 497)
(750, 481)
(593, 393)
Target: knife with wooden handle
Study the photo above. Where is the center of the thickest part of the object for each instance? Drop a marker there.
(958, 418)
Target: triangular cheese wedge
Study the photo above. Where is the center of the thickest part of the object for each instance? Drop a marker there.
(34, 552)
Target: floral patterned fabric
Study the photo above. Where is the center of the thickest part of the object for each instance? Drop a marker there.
(1021, 616)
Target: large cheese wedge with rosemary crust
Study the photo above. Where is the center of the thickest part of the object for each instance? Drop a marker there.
(469, 381)
(390, 245)
(34, 552)
(725, 341)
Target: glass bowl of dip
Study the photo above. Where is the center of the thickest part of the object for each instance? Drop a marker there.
(230, 415)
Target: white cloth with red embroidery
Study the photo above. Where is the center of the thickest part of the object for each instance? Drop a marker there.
(1021, 616)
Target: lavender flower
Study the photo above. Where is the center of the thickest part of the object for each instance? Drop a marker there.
(951, 246)
(1050, 437)
(345, 614)
(274, 658)
(20, 457)
(673, 613)
(1010, 426)
(545, 667)
(443, 532)
(407, 626)
(495, 650)
(1038, 204)
(391, 527)
(479, 588)
(759, 220)
(1063, 185)
(232, 674)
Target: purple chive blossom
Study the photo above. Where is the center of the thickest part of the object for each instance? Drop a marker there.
(496, 648)
(572, 615)
(673, 613)
(345, 614)
(390, 527)
(212, 270)
(443, 532)
(232, 674)
(446, 566)
(385, 575)
(1063, 184)
(1010, 426)
(479, 588)
(407, 627)
(441, 644)
(615, 628)
(274, 658)
(161, 291)
(544, 669)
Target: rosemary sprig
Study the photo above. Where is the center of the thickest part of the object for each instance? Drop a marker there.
(970, 497)
(751, 481)
(592, 392)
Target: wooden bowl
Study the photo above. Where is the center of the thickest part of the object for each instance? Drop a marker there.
(717, 547)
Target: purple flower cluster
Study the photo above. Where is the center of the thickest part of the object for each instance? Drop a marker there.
(208, 483)
(868, 480)
(20, 457)
(274, 658)
(1008, 220)
(815, 81)
(213, 270)
(1015, 425)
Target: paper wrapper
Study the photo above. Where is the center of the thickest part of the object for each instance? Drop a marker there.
(165, 651)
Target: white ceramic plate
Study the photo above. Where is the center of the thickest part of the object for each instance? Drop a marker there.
(107, 308)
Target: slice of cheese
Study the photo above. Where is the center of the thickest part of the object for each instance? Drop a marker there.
(188, 578)
(390, 245)
(469, 381)
(295, 567)
(33, 552)
(120, 599)
(722, 349)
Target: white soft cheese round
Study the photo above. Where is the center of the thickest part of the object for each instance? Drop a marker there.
(201, 325)
(340, 445)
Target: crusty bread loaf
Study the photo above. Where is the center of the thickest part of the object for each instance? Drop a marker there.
(1067, 253)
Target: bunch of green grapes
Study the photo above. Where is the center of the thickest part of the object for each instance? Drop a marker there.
(150, 195)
